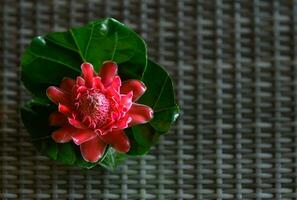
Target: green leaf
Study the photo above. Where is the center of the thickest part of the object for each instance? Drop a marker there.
(109, 39)
(112, 159)
(50, 58)
(160, 96)
(43, 65)
(82, 163)
(164, 118)
(52, 149)
(35, 118)
(66, 153)
(142, 137)
(159, 93)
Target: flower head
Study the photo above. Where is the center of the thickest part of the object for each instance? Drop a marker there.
(94, 109)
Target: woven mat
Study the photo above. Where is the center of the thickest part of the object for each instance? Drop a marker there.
(235, 70)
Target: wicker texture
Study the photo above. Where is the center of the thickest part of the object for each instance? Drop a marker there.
(235, 70)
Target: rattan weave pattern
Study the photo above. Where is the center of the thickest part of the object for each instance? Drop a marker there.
(235, 70)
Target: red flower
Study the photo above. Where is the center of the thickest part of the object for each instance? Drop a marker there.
(94, 109)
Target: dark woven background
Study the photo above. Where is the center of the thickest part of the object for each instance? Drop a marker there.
(235, 70)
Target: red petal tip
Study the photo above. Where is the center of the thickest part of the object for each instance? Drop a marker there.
(64, 109)
(82, 136)
(136, 86)
(62, 135)
(57, 119)
(67, 84)
(76, 123)
(93, 149)
(88, 73)
(140, 114)
(56, 95)
(108, 71)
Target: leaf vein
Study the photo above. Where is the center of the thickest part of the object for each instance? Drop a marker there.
(52, 60)
(60, 44)
(91, 35)
(160, 94)
(165, 109)
(75, 41)
(115, 45)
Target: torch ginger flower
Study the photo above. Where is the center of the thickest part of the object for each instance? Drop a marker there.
(94, 109)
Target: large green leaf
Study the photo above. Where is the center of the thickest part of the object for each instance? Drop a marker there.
(160, 97)
(50, 58)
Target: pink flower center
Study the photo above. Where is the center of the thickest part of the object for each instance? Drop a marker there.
(94, 108)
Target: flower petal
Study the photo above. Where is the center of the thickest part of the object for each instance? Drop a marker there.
(123, 123)
(88, 73)
(80, 81)
(93, 149)
(64, 109)
(63, 134)
(107, 72)
(82, 89)
(67, 84)
(57, 95)
(115, 96)
(78, 91)
(57, 119)
(114, 89)
(140, 114)
(126, 101)
(76, 123)
(98, 83)
(136, 86)
(83, 135)
(116, 83)
(118, 140)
